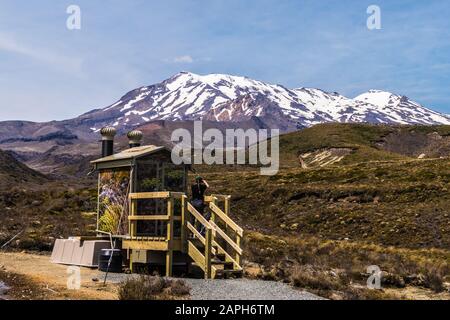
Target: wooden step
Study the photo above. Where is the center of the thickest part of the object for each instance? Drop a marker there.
(220, 256)
(228, 274)
(222, 265)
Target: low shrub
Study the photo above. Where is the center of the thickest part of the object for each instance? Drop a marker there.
(308, 278)
(179, 288)
(433, 280)
(152, 288)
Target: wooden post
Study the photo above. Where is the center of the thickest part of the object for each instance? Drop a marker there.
(227, 205)
(131, 262)
(133, 224)
(208, 245)
(226, 210)
(98, 201)
(213, 215)
(238, 256)
(169, 254)
(184, 213)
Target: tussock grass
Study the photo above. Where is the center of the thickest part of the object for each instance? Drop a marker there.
(152, 288)
(327, 267)
(45, 214)
(402, 204)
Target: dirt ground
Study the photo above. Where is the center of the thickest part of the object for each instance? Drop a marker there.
(32, 276)
(48, 280)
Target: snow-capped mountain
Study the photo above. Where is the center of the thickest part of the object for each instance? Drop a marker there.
(222, 101)
(401, 109)
(188, 96)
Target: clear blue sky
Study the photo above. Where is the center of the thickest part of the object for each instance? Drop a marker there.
(48, 72)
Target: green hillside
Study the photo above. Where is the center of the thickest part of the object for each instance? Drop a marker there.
(366, 142)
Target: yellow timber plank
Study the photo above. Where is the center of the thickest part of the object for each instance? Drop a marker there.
(222, 197)
(150, 195)
(196, 233)
(213, 272)
(177, 194)
(184, 222)
(226, 219)
(145, 245)
(148, 217)
(170, 227)
(208, 249)
(216, 229)
(151, 245)
(208, 198)
(196, 255)
(198, 216)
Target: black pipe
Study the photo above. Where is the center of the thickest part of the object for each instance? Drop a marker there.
(107, 148)
(108, 134)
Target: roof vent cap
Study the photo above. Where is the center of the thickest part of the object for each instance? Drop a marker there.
(108, 133)
(135, 137)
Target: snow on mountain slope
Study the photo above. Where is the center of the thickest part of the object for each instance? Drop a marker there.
(188, 96)
(401, 109)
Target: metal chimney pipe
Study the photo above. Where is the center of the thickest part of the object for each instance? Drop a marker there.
(108, 134)
(135, 138)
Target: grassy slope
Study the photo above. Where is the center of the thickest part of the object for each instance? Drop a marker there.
(361, 138)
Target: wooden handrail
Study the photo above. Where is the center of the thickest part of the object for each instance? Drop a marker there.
(149, 195)
(208, 199)
(218, 196)
(203, 241)
(153, 218)
(226, 219)
(198, 216)
(217, 229)
(156, 195)
(196, 233)
(207, 239)
(177, 194)
(149, 217)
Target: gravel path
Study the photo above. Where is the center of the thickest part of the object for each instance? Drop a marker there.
(243, 289)
(235, 289)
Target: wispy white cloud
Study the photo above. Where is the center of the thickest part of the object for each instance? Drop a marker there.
(187, 59)
(57, 61)
(183, 59)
